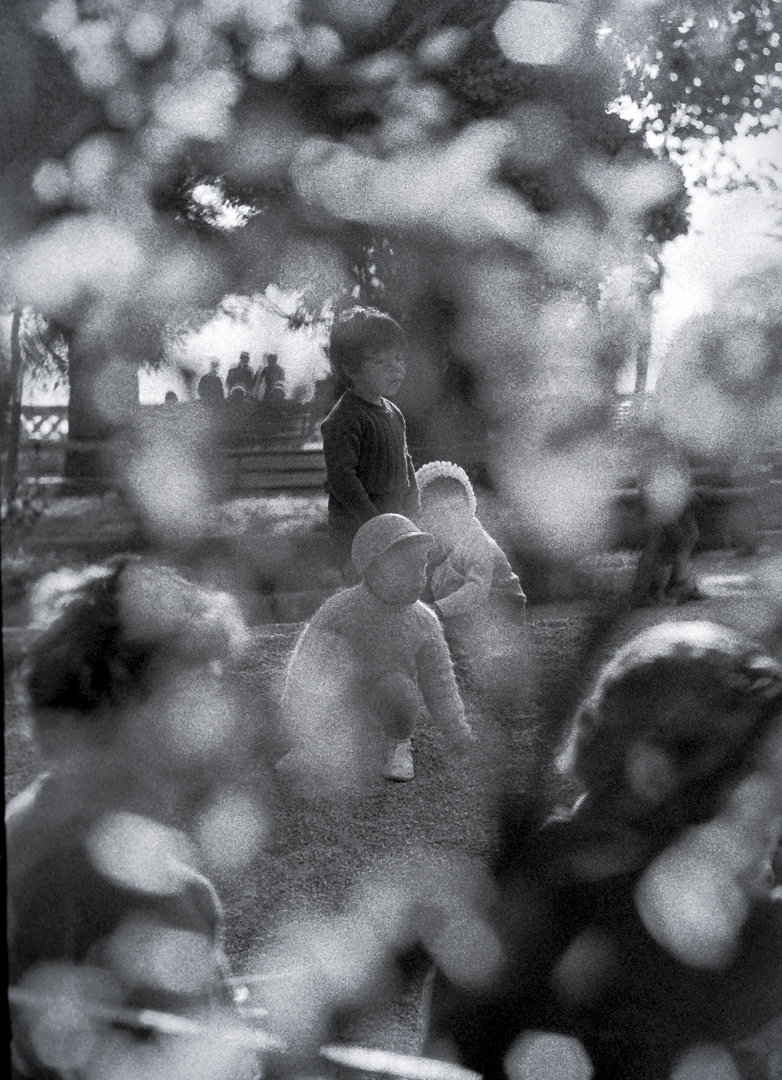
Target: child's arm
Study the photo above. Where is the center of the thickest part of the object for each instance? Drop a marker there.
(465, 599)
(437, 683)
(413, 497)
(463, 583)
(341, 449)
(503, 577)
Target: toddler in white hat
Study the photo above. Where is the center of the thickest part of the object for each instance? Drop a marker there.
(475, 592)
(467, 565)
(365, 660)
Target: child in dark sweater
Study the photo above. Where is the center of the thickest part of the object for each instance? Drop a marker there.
(368, 468)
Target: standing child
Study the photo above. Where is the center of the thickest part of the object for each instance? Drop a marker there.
(470, 581)
(368, 468)
(357, 670)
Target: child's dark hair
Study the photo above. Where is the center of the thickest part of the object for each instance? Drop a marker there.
(81, 662)
(114, 629)
(679, 687)
(356, 331)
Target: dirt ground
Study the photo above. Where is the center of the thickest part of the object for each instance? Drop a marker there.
(317, 852)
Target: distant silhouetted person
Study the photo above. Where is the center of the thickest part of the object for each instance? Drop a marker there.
(665, 573)
(210, 386)
(270, 381)
(242, 375)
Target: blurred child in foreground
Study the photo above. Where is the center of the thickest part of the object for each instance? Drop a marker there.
(108, 914)
(639, 931)
(355, 676)
(471, 583)
(368, 468)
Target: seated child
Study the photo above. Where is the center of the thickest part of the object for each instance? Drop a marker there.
(368, 468)
(472, 585)
(355, 676)
(108, 917)
(643, 919)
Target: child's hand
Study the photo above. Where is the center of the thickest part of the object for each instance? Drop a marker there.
(696, 895)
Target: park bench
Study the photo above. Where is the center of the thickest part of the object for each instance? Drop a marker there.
(256, 451)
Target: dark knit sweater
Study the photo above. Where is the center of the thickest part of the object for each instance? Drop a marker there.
(368, 468)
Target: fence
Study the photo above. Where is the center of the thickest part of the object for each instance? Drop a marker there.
(257, 452)
(44, 423)
(262, 453)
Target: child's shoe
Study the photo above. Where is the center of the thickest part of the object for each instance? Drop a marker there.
(399, 761)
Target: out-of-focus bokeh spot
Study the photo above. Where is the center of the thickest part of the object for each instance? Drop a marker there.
(233, 831)
(61, 1019)
(531, 32)
(585, 967)
(353, 15)
(95, 52)
(196, 719)
(174, 501)
(692, 907)
(147, 953)
(76, 258)
(566, 494)
(706, 1061)
(52, 182)
(442, 48)
(541, 1056)
(321, 47)
(145, 34)
(273, 57)
(138, 853)
(59, 17)
(469, 953)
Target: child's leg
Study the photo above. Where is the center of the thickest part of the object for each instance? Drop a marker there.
(683, 584)
(395, 701)
(652, 572)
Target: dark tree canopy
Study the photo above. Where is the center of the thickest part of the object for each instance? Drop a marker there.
(158, 158)
(702, 68)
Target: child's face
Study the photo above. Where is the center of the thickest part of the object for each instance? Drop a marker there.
(398, 576)
(382, 373)
(444, 512)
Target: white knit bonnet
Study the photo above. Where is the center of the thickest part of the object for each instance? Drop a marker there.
(446, 470)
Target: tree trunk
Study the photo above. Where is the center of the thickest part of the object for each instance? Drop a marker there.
(103, 399)
(15, 410)
(643, 343)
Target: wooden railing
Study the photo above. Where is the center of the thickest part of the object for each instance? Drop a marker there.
(258, 451)
(44, 423)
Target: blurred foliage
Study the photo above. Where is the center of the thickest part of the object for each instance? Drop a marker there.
(702, 68)
(44, 348)
(159, 157)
